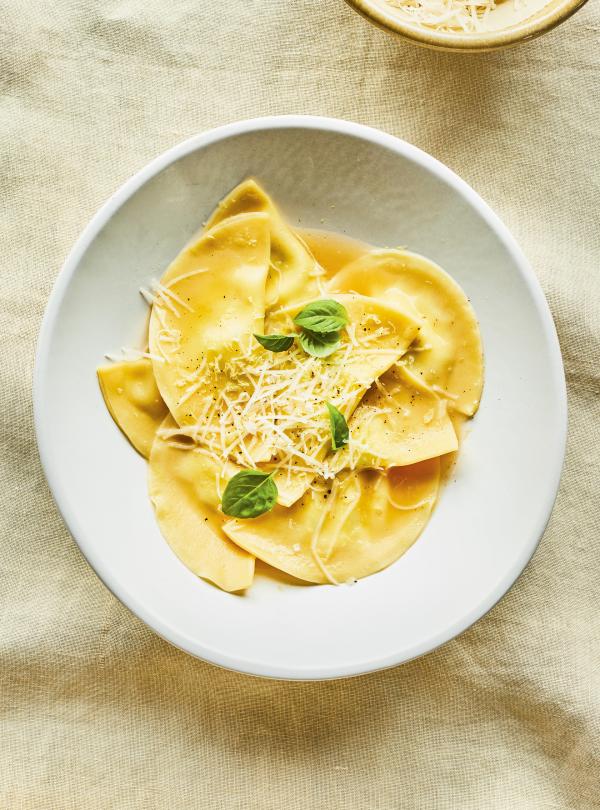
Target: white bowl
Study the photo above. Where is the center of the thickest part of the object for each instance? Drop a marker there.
(343, 177)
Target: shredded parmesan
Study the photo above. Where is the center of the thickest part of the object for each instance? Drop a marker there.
(147, 296)
(165, 290)
(447, 15)
(262, 407)
(176, 280)
(128, 354)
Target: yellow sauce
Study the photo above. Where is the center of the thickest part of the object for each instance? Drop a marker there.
(332, 250)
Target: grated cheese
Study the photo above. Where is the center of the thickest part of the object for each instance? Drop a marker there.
(177, 279)
(128, 354)
(269, 407)
(147, 296)
(447, 15)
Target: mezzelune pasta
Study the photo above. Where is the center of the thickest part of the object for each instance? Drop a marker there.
(377, 347)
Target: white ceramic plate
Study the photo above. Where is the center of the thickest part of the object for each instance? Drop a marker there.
(348, 178)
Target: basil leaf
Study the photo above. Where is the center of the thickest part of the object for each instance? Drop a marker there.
(319, 345)
(248, 494)
(322, 316)
(275, 343)
(340, 432)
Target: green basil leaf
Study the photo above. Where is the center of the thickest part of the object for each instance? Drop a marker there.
(340, 432)
(319, 345)
(275, 343)
(322, 316)
(248, 494)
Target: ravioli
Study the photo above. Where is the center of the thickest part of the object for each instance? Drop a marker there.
(397, 424)
(183, 486)
(293, 272)
(447, 359)
(364, 524)
(133, 400)
(209, 302)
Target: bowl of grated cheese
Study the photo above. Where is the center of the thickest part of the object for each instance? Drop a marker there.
(467, 25)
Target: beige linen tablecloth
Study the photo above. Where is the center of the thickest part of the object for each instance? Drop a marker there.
(96, 711)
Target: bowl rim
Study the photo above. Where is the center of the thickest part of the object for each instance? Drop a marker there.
(469, 42)
(43, 430)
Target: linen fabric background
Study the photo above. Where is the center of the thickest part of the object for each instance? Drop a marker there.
(96, 711)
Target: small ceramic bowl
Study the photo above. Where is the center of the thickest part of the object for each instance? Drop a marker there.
(351, 179)
(544, 17)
